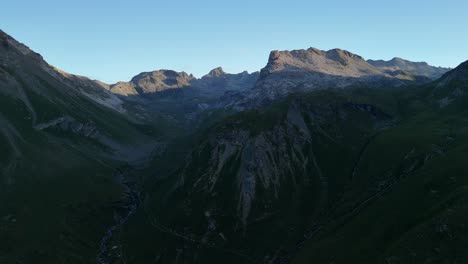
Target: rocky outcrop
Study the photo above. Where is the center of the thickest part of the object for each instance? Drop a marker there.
(69, 124)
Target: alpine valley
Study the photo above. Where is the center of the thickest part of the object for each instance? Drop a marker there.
(320, 157)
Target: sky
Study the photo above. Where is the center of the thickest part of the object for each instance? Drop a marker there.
(114, 40)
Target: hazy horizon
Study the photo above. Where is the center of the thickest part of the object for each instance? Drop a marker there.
(113, 41)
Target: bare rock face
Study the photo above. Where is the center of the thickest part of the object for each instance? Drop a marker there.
(313, 68)
(416, 68)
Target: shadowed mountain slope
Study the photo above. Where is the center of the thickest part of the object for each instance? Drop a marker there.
(62, 140)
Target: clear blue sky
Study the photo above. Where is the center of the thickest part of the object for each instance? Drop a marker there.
(114, 40)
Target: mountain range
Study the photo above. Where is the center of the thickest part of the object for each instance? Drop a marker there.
(320, 157)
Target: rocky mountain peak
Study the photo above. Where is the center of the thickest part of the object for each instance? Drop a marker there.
(160, 80)
(398, 60)
(216, 72)
(161, 74)
(212, 84)
(334, 62)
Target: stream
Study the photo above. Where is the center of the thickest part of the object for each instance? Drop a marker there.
(110, 249)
